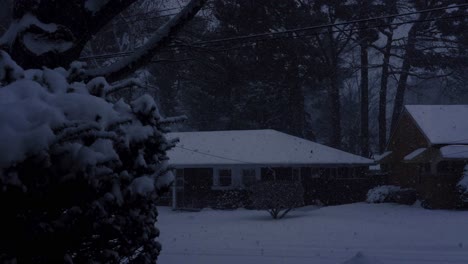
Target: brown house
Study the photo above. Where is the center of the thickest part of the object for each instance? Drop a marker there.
(428, 151)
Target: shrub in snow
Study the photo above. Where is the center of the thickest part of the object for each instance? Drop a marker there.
(80, 172)
(380, 193)
(277, 197)
(231, 199)
(462, 186)
(391, 194)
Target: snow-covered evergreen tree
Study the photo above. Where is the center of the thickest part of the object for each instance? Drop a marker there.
(80, 172)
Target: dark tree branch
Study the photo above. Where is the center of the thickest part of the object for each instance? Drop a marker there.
(76, 24)
(161, 39)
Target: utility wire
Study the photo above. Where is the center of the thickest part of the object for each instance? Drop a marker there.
(332, 24)
(271, 36)
(153, 17)
(200, 44)
(160, 11)
(215, 156)
(336, 24)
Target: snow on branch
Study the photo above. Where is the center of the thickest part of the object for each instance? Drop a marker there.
(144, 55)
(73, 154)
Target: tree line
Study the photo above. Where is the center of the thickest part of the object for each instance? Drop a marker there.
(344, 84)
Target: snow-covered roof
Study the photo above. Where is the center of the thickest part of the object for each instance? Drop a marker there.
(442, 124)
(254, 147)
(414, 154)
(380, 157)
(454, 152)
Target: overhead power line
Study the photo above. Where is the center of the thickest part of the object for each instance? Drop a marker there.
(286, 36)
(336, 24)
(274, 36)
(295, 30)
(145, 18)
(214, 156)
(179, 8)
(152, 12)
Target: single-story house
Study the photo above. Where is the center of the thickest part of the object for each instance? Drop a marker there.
(428, 151)
(214, 164)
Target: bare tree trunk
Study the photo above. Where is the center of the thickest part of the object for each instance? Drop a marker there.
(296, 104)
(335, 110)
(410, 49)
(383, 93)
(364, 100)
(404, 74)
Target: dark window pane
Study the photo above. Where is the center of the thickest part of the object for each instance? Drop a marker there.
(225, 177)
(248, 177)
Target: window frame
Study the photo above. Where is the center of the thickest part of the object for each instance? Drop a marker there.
(242, 176)
(179, 177)
(217, 183)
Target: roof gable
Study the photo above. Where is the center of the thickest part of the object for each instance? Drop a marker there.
(441, 124)
(255, 147)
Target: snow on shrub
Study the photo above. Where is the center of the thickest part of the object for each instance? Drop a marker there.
(391, 194)
(231, 199)
(380, 193)
(277, 197)
(462, 185)
(80, 171)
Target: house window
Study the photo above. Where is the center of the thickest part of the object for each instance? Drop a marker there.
(444, 167)
(179, 178)
(448, 167)
(306, 172)
(425, 168)
(249, 177)
(283, 174)
(268, 174)
(324, 172)
(342, 173)
(296, 174)
(315, 173)
(224, 177)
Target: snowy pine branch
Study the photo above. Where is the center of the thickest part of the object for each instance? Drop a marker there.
(80, 163)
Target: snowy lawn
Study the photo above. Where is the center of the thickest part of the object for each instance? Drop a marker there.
(383, 233)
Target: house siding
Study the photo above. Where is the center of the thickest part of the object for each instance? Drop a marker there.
(436, 188)
(406, 139)
(330, 185)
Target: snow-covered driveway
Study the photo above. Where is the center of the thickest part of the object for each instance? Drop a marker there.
(386, 232)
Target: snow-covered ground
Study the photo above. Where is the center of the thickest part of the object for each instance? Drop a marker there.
(352, 234)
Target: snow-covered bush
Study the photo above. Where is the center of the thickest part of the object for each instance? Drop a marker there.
(231, 199)
(277, 197)
(80, 172)
(462, 186)
(380, 193)
(391, 194)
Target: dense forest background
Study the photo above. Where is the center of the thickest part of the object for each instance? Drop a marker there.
(337, 72)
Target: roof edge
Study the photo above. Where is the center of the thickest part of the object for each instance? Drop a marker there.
(419, 127)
